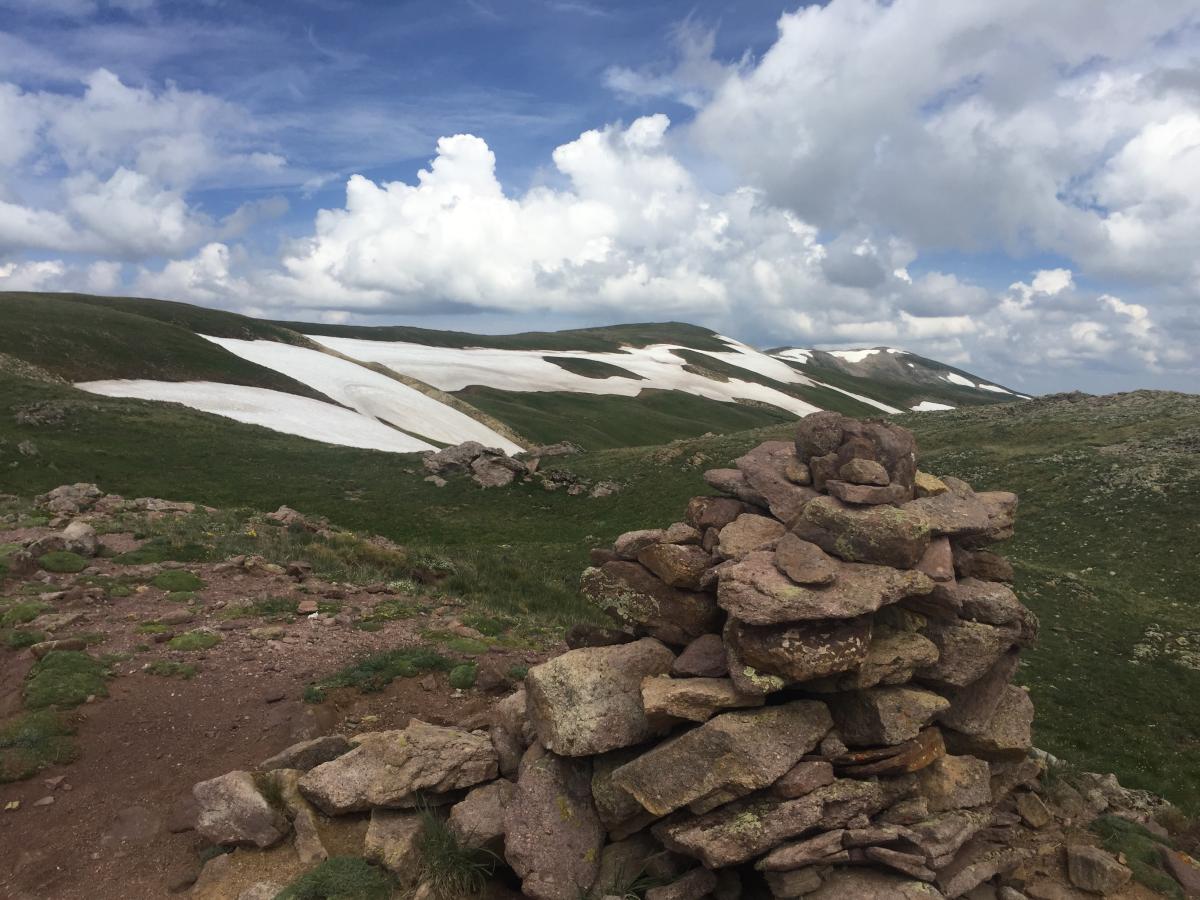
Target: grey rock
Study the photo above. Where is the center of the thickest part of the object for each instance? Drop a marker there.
(748, 533)
(478, 820)
(669, 700)
(955, 782)
(632, 595)
(884, 715)
(232, 811)
(702, 658)
(1094, 870)
(308, 754)
(884, 535)
(394, 842)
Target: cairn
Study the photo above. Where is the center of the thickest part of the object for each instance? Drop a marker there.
(807, 694)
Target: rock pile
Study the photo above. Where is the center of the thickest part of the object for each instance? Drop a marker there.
(807, 694)
(489, 467)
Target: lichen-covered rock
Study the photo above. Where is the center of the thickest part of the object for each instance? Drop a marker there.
(803, 778)
(804, 562)
(631, 543)
(823, 849)
(755, 591)
(1096, 871)
(589, 701)
(619, 812)
(727, 757)
(800, 651)
(552, 834)
(885, 535)
(955, 782)
(678, 565)
(884, 715)
(869, 884)
(670, 700)
(394, 768)
(766, 469)
(891, 658)
(748, 533)
(232, 811)
(394, 842)
(632, 595)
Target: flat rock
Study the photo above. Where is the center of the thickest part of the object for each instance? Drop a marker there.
(668, 700)
(884, 715)
(552, 834)
(908, 864)
(884, 535)
(800, 651)
(738, 832)
(756, 591)
(891, 658)
(748, 533)
(955, 782)
(1009, 732)
(867, 495)
(713, 512)
(977, 862)
(819, 850)
(589, 701)
(619, 812)
(982, 564)
(955, 512)
(631, 543)
(804, 562)
(972, 707)
(393, 768)
(232, 811)
(727, 757)
(308, 754)
(702, 658)
(864, 471)
(803, 778)
(677, 565)
(632, 595)
(911, 756)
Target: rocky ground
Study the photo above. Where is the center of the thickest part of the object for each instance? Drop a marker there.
(116, 821)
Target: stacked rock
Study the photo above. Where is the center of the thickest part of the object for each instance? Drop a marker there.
(816, 689)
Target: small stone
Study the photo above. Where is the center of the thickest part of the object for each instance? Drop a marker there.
(306, 607)
(886, 715)
(702, 658)
(955, 782)
(803, 778)
(45, 801)
(927, 485)
(804, 562)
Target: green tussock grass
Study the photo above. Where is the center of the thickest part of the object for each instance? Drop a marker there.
(451, 867)
(63, 561)
(1142, 851)
(177, 581)
(377, 671)
(32, 741)
(21, 612)
(194, 640)
(171, 669)
(19, 638)
(162, 549)
(463, 676)
(340, 878)
(64, 679)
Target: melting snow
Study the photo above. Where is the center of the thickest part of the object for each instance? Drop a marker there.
(853, 356)
(454, 368)
(930, 406)
(996, 389)
(955, 378)
(276, 410)
(370, 393)
(796, 355)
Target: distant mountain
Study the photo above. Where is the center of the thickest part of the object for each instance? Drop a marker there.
(404, 389)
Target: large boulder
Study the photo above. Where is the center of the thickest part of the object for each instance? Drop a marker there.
(496, 470)
(454, 459)
(478, 819)
(552, 834)
(589, 701)
(308, 754)
(756, 591)
(397, 768)
(632, 595)
(232, 810)
(800, 651)
(886, 535)
(891, 658)
(727, 757)
(884, 715)
(766, 470)
(966, 650)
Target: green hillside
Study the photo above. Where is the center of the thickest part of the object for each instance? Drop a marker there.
(82, 338)
(1105, 550)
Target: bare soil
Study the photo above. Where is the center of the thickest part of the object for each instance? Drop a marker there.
(115, 823)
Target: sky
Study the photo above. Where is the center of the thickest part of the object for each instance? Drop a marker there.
(1013, 188)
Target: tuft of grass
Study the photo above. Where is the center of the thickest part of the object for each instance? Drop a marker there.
(20, 638)
(194, 640)
(22, 612)
(518, 672)
(152, 628)
(458, 644)
(463, 676)
(340, 878)
(388, 610)
(486, 625)
(171, 669)
(1142, 851)
(377, 671)
(64, 679)
(63, 561)
(32, 741)
(177, 581)
(163, 549)
(448, 865)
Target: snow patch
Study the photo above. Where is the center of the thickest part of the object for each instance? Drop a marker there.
(372, 394)
(853, 356)
(930, 406)
(995, 389)
(276, 410)
(860, 398)
(955, 378)
(796, 355)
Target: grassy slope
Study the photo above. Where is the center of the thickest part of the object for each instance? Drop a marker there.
(900, 394)
(604, 421)
(604, 339)
(83, 339)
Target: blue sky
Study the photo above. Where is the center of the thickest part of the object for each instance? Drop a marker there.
(1012, 189)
